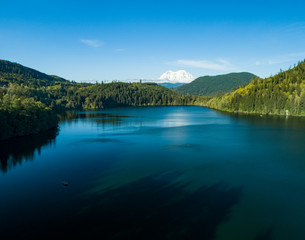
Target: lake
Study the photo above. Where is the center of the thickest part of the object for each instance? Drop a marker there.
(156, 173)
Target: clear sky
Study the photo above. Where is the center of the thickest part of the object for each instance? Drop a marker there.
(106, 40)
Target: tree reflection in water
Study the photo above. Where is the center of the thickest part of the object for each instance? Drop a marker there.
(14, 151)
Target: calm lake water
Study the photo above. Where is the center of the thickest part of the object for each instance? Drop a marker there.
(156, 173)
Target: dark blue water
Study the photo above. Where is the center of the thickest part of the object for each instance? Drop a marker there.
(156, 173)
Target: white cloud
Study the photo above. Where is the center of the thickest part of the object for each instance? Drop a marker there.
(119, 50)
(219, 64)
(92, 43)
(280, 59)
(295, 28)
(271, 61)
(285, 58)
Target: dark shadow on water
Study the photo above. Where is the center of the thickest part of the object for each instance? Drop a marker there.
(96, 117)
(264, 235)
(97, 140)
(14, 151)
(155, 207)
(274, 121)
(190, 146)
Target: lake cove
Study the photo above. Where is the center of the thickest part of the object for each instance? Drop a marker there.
(156, 173)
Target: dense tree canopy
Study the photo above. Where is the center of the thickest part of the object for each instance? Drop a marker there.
(21, 116)
(16, 73)
(281, 94)
(213, 85)
(28, 98)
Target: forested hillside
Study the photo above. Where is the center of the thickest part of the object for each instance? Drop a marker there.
(28, 98)
(98, 96)
(20, 116)
(273, 95)
(213, 85)
(18, 74)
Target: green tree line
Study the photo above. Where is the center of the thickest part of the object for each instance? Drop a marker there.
(215, 85)
(20, 116)
(29, 99)
(281, 94)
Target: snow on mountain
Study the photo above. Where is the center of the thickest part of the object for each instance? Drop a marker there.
(180, 76)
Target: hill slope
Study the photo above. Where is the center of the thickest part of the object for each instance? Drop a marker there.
(15, 73)
(28, 98)
(213, 85)
(273, 95)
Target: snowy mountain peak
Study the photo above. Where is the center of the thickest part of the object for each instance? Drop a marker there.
(180, 76)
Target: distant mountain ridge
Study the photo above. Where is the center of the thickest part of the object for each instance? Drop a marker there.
(180, 76)
(214, 85)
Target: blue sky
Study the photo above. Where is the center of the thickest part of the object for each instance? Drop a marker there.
(108, 40)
